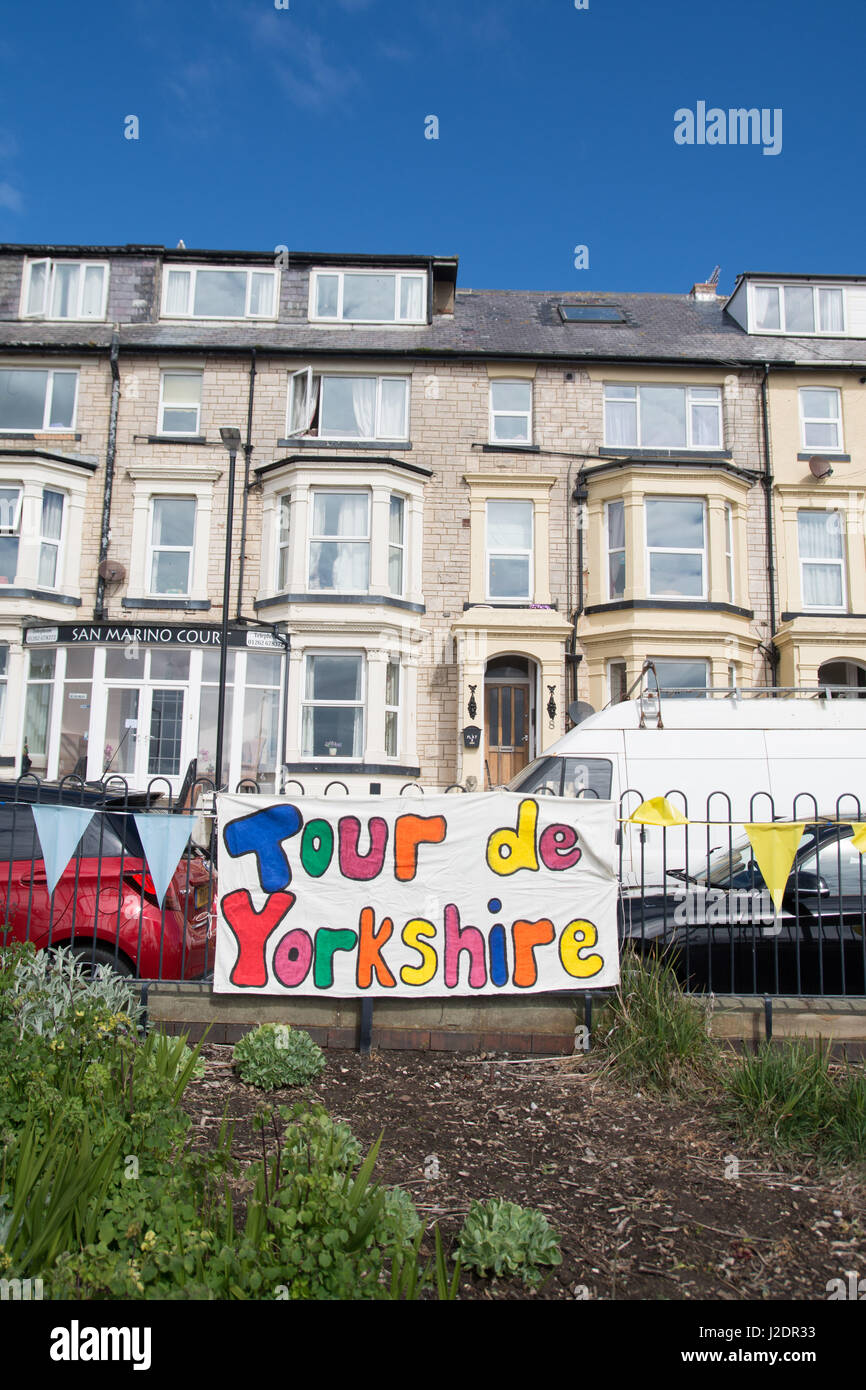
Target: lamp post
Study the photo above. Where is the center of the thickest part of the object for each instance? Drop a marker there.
(231, 439)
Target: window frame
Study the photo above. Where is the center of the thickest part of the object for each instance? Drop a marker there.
(840, 561)
(649, 550)
(689, 404)
(836, 420)
(490, 553)
(493, 415)
(46, 427)
(394, 710)
(249, 271)
(730, 567)
(315, 538)
(314, 404)
(623, 549)
(58, 543)
(340, 272)
(153, 548)
(780, 286)
(357, 755)
(682, 660)
(283, 541)
(178, 371)
(399, 546)
(48, 290)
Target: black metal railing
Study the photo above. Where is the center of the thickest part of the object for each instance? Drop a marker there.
(698, 893)
(695, 891)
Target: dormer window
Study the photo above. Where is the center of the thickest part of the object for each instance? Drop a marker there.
(224, 292)
(368, 296)
(65, 289)
(798, 309)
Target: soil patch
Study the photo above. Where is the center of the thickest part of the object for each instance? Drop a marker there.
(652, 1199)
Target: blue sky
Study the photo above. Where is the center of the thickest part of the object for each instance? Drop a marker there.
(305, 127)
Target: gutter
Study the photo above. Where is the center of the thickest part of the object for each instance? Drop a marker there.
(110, 455)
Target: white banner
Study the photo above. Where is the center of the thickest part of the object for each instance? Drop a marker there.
(492, 893)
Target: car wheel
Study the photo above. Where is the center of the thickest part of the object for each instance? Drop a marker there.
(91, 956)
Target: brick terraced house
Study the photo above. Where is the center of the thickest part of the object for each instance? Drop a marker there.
(457, 512)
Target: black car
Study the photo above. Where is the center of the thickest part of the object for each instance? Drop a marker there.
(721, 924)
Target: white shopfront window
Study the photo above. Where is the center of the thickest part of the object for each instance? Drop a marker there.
(144, 711)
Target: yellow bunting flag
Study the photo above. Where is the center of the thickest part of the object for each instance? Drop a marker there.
(658, 811)
(775, 846)
(859, 837)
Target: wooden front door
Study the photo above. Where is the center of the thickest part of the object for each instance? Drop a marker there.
(506, 730)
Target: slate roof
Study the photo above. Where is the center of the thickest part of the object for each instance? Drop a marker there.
(486, 323)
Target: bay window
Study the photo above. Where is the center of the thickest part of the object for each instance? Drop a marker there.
(396, 544)
(392, 707)
(48, 535)
(822, 560)
(65, 289)
(51, 532)
(333, 706)
(204, 292)
(284, 512)
(676, 547)
(340, 542)
(615, 549)
(348, 407)
(681, 676)
(37, 398)
(821, 418)
(365, 296)
(10, 530)
(662, 417)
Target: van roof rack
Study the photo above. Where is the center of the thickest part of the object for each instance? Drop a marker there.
(757, 692)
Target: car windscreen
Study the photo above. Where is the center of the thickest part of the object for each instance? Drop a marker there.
(19, 840)
(727, 861)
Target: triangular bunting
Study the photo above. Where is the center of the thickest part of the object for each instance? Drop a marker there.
(775, 846)
(658, 811)
(859, 837)
(59, 829)
(164, 839)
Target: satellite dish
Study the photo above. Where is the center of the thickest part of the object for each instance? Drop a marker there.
(579, 710)
(112, 571)
(819, 466)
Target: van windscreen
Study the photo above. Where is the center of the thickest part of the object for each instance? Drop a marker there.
(552, 776)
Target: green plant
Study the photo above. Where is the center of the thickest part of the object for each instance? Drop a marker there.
(787, 1095)
(505, 1239)
(313, 1138)
(275, 1055)
(659, 1038)
(49, 993)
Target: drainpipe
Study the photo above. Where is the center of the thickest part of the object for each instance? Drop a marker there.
(772, 650)
(248, 449)
(110, 453)
(579, 496)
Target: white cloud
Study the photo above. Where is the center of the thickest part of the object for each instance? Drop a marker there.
(10, 198)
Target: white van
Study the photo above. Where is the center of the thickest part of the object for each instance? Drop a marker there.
(725, 756)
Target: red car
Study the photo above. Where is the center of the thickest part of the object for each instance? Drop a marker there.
(104, 905)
